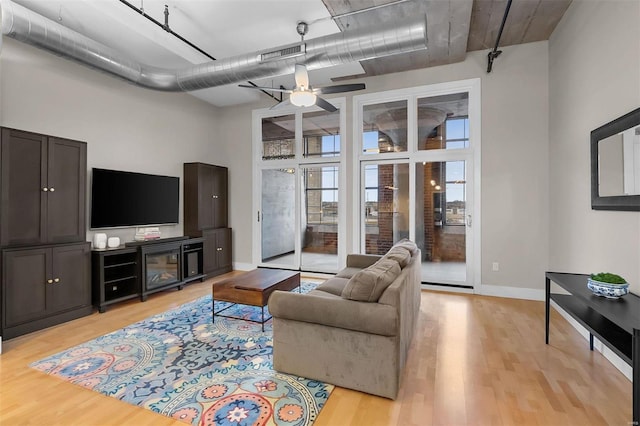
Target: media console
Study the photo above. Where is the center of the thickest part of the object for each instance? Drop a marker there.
(616, 323)
(140, 268)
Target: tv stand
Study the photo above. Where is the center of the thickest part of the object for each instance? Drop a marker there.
(616, 323)
(140, 268)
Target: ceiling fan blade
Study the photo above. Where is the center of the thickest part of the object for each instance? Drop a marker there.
(302, 76)
(325, 105)
(281, 105)
(271, 89)
(339, 88)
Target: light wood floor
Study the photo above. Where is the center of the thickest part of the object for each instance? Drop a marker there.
(474, 361)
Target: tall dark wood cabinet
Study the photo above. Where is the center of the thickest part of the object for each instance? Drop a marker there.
(206, 204)
(45, 268)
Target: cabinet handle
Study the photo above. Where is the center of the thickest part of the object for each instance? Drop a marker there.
(219, 248)
(45, 189)
(214, 196)
(56, 280)
(49, 281)
(51, 189)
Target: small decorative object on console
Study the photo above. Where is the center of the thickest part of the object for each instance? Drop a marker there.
(99, 240)
(113, 242)
(609, 285)
(147, 234)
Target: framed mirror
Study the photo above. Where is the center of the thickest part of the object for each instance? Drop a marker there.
(615, 164)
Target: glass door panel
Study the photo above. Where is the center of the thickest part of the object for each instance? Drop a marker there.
(385, 207)
(441, 220)
(319, 218)
(278, 217)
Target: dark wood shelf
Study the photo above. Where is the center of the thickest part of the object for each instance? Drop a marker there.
(117, 280)
(115, 265)
(614, 337)
(615, 322)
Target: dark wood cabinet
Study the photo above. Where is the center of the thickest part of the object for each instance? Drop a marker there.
(217, 250)
(205, 197)
(45, 259)
(44, 286)
(43, 189)
(206, 214)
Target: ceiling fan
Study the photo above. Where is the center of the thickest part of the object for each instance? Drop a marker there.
(303, 94)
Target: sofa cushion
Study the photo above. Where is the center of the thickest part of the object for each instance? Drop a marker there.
(333, 285)
(348, 272)
(407, 244)
(368, 284)
(400, 254)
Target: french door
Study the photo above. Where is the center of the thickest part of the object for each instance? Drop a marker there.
(300, 218)
(418, 162)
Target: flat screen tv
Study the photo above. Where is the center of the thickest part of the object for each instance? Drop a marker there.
(120, 199)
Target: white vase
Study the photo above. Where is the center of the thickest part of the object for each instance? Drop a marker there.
(99, 240)
(113, 242)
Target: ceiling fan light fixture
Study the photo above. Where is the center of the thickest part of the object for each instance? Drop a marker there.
(303, 98)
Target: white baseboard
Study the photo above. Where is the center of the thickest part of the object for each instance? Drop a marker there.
(511, 292)
(240, 266)
(613, 358)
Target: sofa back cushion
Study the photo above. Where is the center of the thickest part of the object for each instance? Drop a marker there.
(408, 245)
(369, 284)
(400, 255)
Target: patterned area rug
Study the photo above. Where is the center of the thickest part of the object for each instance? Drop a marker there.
(181, 365)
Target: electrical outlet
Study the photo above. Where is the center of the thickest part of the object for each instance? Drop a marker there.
(495, 266)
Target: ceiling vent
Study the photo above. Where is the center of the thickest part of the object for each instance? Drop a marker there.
(284, 52)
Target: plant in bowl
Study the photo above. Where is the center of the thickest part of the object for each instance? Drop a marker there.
(608, 285)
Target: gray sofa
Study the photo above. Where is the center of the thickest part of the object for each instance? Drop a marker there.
(355, 329)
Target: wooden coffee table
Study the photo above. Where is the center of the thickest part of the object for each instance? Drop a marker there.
(253, 288)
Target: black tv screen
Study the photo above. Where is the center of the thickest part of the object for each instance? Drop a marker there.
(120, 198)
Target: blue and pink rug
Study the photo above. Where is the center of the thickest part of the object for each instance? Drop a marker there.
(181, 365)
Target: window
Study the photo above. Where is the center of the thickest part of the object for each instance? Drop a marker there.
(455, 194)
(457, 133)
(321, 195)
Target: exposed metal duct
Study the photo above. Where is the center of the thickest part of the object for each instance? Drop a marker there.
(29, 27)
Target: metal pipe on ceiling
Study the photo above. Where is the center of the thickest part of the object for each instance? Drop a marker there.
(29, 27)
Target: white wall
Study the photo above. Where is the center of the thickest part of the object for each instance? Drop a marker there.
(594, 77)
(514, 159)
(125, 127)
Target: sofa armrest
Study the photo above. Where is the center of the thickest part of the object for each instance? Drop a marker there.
(333, 311)
(361, 260)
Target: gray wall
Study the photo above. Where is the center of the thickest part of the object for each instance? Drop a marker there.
(594, 77)
(125, 127)
(514, 159)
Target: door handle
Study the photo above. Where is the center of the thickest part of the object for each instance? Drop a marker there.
(469, 220)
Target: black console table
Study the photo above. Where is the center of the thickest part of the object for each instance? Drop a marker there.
(141, 268)
(616, 323)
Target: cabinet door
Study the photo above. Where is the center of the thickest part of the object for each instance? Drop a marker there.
(219, 192)
(205, 196)
(24, 283)
(23, 180)
(70, 274)
(223, 247)
(67, 177)
(216, 249)
(209, 254)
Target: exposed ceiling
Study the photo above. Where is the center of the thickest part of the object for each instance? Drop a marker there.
(226, 28)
